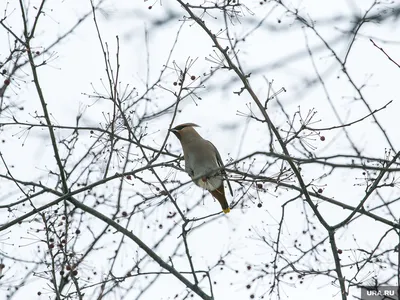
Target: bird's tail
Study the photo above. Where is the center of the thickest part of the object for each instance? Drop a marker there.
(219, 194)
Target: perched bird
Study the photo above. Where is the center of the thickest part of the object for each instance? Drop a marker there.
(203, 162)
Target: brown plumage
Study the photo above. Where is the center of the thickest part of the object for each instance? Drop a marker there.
(203, 162)
(219, 194)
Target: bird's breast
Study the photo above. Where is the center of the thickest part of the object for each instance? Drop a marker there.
(200, 164)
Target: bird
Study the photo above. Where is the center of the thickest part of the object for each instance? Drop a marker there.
(203, 162)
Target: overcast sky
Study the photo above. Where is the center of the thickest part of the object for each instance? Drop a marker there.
(279, 51)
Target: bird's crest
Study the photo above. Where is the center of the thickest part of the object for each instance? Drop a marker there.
(180, 127)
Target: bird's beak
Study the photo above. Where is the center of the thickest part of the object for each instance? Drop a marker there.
(176, 132)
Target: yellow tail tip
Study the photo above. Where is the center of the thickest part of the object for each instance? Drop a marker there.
(226, 210)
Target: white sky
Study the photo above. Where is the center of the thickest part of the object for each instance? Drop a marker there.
(77, 63)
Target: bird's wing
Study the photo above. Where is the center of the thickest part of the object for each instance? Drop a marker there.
(188, 168)
(221, 164)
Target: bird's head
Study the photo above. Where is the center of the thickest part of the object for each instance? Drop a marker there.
(185, 131)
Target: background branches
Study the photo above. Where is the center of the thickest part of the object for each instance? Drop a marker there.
(298, 98)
